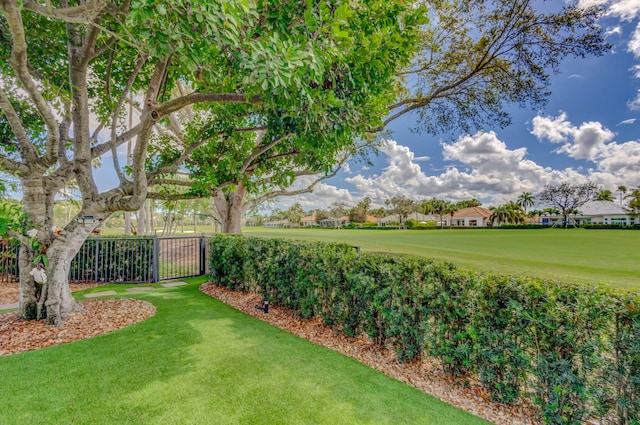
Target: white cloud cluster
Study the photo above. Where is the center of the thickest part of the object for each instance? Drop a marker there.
(323, 194)
(584, 142)
(483, 166)
(626, 10)
(634, 43)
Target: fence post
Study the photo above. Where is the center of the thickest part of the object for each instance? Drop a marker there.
(156, 259)
(97, 259)
(203, 253)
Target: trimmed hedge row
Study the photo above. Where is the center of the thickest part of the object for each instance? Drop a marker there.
(572, 351)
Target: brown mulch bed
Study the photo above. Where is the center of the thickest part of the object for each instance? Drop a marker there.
(99, 317)
(9, 290)
(425, 375)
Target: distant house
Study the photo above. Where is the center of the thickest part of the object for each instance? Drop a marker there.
(594, 212)
(470, 217)
(308, 221)
(394, 219)
(334, 222)
(277, 223)
(370, 219)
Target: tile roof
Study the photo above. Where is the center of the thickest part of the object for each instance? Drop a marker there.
(601, 208)
(473, 212)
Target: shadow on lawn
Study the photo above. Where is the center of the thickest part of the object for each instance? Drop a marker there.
(199, 361)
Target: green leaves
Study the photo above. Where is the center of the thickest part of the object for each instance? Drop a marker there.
(574, 352)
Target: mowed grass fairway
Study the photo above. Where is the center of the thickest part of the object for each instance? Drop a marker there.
(610, 257)
(198, 361)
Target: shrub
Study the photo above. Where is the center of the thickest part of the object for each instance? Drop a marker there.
(500, 331)
(572, 351)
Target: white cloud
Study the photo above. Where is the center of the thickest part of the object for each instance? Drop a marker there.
(617, 30)
(482, 166)
(625, 9)
(635, 103)
(615, 163)
(582, 142)
(589, 3)
(634, 43)
(323, 194)
(555, 130)
(629, 121)
(487, 169)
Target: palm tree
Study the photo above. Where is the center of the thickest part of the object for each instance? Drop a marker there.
(525, 200)
(516, 213)
(622, 190)
(440, 207)
(498, 214)
(604, 195)
(511, 213)
(633, 208)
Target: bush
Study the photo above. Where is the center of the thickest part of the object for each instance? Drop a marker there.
(611, 226)
(572, 351)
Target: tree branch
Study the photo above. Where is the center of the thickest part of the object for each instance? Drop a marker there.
(29, 152)
(116, 113)
(20, 66)
(12, 167)
(267, 196)
(176, 104)
(74, 14)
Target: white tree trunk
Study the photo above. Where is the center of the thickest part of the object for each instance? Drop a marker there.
(29, 294)
(127, 223)
(56, 301)
(231, 210)
(141, 227)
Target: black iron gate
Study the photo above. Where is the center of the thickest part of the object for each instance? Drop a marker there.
(126, 260)
(177, 257)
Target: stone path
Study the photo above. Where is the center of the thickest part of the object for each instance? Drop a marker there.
(109, 293)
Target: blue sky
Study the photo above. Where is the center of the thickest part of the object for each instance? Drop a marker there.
(588, 131)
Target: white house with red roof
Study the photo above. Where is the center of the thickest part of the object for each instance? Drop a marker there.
(470, 217)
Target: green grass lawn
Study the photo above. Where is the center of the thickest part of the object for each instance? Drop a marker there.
(610, 257)
(198, 361)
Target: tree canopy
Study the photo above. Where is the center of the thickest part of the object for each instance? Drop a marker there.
(220, 90)
(242, 97)
(567, 198)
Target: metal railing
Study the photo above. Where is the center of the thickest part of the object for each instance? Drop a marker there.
(125, 260)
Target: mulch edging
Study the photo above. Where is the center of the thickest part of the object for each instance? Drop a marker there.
(425, 375)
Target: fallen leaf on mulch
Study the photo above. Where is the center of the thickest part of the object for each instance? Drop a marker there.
(425, 375)
(99, 317)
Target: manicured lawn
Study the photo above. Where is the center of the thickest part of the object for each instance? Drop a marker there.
(610, 257)
(198, 361)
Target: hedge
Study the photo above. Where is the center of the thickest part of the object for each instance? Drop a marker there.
(571, 351)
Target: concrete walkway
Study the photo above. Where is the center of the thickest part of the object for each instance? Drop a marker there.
(109, 293)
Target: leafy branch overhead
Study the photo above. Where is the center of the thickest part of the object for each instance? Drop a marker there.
(242, 97)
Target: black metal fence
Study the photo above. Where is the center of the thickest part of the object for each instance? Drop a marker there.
(125, 260)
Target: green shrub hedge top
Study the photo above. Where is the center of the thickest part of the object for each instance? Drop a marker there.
(572, 351)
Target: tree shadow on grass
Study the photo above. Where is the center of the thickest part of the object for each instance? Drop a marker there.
(198, 361)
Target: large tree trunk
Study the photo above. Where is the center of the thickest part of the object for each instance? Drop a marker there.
(231, 210)
(56, 301)
(141, 225)
(34, 206)
(28, 294)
